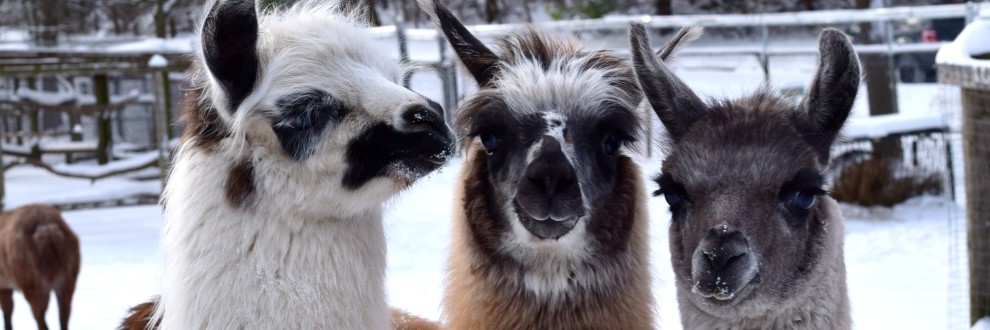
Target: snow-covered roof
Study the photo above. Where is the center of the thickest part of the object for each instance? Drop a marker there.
(879, 126)
(972, 41)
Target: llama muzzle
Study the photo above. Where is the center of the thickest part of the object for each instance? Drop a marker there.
(723, 264)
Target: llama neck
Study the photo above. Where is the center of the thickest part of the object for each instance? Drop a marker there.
(265, 266)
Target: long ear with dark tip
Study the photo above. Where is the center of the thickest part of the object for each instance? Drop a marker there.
(479, 60)
(230, 34)
(673, 101)
(681, 39)
(833, 90)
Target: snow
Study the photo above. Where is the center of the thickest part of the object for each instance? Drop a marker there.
(97, 170)
(27, 184)
(973, 40)
(982, 324)
(885, 125)
(182, 44)
(157, 61)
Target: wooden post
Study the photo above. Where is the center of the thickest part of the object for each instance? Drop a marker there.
(34, 116)
(3, 189)
(163, 115)
(976, 156)
(167, 105)
(101, 89)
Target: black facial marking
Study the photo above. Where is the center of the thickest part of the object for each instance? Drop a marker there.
(302, 119)
(230, 33)
(589, 134)
(510, 132)
(381, 149)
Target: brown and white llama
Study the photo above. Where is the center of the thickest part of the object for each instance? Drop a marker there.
(39, 254)
(550, 221)
(755, 242)
(296, 134)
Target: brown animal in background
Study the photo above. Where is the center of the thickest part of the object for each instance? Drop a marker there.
(38, 254)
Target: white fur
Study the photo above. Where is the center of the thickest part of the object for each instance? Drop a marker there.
(318, 254)
(566, 87)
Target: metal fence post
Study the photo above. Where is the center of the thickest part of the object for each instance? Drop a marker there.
(764, 52)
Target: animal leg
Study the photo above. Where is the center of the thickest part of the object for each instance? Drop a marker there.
(63, 294)
(38, 297)
(7, 303)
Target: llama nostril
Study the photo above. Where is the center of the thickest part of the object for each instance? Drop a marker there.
(420, 118)
(726, 247)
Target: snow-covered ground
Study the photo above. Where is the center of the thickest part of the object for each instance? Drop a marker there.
(898, 258)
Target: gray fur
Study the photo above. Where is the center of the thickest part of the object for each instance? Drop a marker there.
(681, 39)
(735, 175)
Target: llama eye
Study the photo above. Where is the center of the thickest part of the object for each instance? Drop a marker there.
(803, 200)
(673, 199)
(489, 140)
(612, 145)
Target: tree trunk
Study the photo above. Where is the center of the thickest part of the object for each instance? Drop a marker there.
(160, 18)
(663, 8)
(48, 22)
(491, 11)
(881, 88)
(101, 89)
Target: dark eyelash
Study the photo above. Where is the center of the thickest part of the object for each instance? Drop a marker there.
(805, 180)
(667, 184)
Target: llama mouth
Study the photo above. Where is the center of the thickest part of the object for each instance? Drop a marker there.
(720, 291)
(548, 228)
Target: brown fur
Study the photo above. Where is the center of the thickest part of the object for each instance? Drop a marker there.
(38, 253)
(138, 316)
(871, 182)
(240, 184)
(483, 287)
(405, 321)
(204, 127)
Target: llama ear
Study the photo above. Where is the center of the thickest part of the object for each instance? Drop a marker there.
(673, 101)
(833, 90)
(229, 35)
(681, 39)
(479, 60)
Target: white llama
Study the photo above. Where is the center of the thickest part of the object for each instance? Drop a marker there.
(296, 133)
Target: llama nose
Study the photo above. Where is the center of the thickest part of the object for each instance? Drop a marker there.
(426, 118)
(423, 117)
(552, 178)
(724, 246)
